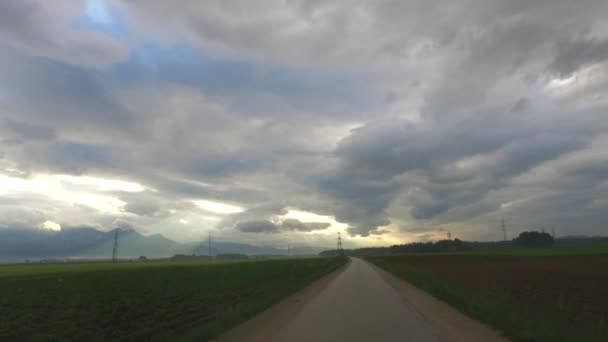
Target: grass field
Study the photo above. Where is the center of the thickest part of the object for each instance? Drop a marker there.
(529, 298)
(144, 301)
(546, 251)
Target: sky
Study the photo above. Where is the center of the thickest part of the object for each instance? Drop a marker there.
(288, 121)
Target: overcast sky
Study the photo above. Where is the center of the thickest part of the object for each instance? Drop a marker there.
(285, 120)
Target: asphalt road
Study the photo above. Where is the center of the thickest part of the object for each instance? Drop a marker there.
(359, 305)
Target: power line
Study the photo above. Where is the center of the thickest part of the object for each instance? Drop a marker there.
(503, 225)
(209, 247)
(115, 248)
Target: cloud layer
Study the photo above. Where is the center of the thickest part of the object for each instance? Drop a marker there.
(396, 118)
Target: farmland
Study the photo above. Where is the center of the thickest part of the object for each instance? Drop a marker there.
(529, 298)
(144, 301)
(546, 251)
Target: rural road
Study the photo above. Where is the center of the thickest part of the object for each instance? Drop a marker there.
(358, 306)
(362, 303)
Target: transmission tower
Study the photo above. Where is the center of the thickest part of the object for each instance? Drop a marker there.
(340, 250)
(288, 250)
(449, 235)
(115, 249)
(503, 225)
(209, 245)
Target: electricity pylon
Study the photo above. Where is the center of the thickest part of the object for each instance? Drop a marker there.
(340, 250)
(115, 249)
(503, 225)
(209, 246)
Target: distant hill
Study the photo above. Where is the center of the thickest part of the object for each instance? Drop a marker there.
(84, 242)
(224, 247)
(131, 244)
(19, 244)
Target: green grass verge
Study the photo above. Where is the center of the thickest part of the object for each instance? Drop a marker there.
(513, 321)
(145, 301)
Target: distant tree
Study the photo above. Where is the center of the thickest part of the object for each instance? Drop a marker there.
(233, 256)
(534, 239)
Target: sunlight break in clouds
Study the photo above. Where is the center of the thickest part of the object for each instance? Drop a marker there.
(98, 12)
(218, 207)
(101, 184)
(312, 217)
(50, 225)
(390, 121)
(83, 190)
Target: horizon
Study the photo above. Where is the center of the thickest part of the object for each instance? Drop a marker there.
(219, 239)
(311, 120)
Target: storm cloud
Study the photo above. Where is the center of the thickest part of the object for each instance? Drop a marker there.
(393, 120)
(266, 226)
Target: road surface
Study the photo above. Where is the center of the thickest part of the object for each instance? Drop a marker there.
(358, 306)
(362, 303)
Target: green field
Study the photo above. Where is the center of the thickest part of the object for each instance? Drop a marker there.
(144, 301)
(539, 297)
(545, 251)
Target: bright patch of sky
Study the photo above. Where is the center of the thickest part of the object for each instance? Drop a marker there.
(50, 225)
(218, 207)
(98, 16)
(54, 187)
(98, 12)
(562, 82)
(306, 216)
(102, 184)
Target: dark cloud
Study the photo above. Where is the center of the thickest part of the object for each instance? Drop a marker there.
(376, 113)
(359, 201)
(579, 53)
(297, 225)
(258, 226)
(288, 225)
(28, 131)
(521, 105)
(265, 212)
(140, 204)
(72, 157)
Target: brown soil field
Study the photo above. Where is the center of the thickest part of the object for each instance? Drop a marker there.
(574, 288)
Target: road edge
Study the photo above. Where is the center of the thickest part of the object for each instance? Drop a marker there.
(452, 325)
(267, 323)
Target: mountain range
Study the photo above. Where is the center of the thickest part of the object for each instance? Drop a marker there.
(87, 243)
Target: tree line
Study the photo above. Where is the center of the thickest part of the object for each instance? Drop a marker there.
(525, 239)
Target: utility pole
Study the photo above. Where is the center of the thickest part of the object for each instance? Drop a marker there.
(209, 247)
(504, 228)
(449, 235)
(115, 249)
(340, 250)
